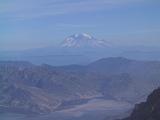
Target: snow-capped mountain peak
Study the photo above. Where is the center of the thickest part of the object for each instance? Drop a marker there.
(82, 35)
(87, 35)
(83, 40)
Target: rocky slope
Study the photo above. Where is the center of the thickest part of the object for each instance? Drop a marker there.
(39, 89)
(25, 87)
(149, 110)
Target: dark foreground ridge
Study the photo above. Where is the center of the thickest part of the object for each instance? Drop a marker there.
(149, 110)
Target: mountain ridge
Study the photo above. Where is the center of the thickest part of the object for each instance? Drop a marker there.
(148, 110)
(110, 78)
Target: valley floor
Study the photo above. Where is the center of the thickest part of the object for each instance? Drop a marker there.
(96, 109)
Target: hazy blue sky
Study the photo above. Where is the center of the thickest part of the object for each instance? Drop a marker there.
(28, 24)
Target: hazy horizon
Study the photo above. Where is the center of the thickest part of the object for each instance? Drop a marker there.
(28, 24)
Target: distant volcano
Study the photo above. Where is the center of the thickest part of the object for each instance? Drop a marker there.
(83, 40)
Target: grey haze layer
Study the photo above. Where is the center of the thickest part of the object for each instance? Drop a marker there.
(80, 49)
